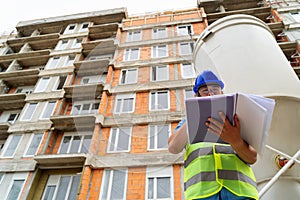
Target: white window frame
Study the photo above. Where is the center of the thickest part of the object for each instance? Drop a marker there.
(108, 184)
(70, 60)
(62, 44)
(158, 33)
(77, 43)
(159, 172)
(8, 143)
(42, 84)
(187, 95)
(134, 36)
(5, 115)
(72, 135)
(156, 103)
(57, 83)
(129, 53)
(81, 104)
(26, 110)
(81, 29)
(118, 139)
(186, 48)
(68, 31)
(54, 180)
(123, 97)
(50, 64)
(16, 177)
(157, 128)
(295, 16)
(46, 107)
(155, 69)
(31, 140)
(128, 76)
(184, 30)
(184, 73)
(157, 50)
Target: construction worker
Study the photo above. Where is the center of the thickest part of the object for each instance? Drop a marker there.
(215, 171)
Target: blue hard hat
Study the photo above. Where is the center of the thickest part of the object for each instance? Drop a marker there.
(205, 78)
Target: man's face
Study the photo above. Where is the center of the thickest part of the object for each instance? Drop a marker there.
(209, 90)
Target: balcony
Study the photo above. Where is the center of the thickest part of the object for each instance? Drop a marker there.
(103, 31)
(12, 101)
(38, 42)
(20, 77)
(86, 91)
(74, 122)
(91, 67)
(98, 47)
(60, 160)
(3, 130)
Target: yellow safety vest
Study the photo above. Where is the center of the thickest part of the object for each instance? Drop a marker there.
(210, 166)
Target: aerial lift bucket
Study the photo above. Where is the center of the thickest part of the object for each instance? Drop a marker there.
(242, 50)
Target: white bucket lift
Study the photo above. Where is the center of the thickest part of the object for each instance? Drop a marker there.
(242, 50)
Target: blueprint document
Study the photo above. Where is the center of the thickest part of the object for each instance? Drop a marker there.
(254, 112)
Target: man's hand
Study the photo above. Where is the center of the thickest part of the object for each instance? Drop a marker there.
(231, 134)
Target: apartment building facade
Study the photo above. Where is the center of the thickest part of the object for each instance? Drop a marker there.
(89, 100)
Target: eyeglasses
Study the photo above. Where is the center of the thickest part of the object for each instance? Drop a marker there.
(209, 90)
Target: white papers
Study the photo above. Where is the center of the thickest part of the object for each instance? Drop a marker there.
(254, 112)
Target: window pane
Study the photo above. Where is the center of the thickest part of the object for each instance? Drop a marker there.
(86, 144)
(33, 147)
(118, 185)
(152, 137)
(153, 101)
(118, 106)
(42, 84)
(85, 108)
(150, 188)
(124, 135)
(74, 187)
(163, 187)
(162, 100)
(49, 110)
(49, 192)
(53, 63)
(29, 111)
(162, 73)
(131, 76)
(113, 139)
(127, 105)
(61, 83)
(12, 145)
(63, 187)
(65, 144)
(15, 190)
(105, 184)
(75, 144)
(162, 136)
(162, 51)
(76, 109)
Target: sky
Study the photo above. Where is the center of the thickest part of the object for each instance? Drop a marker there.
(14, 11)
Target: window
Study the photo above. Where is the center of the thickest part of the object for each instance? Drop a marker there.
(188, 93)
(160, 73)
(1, 176)
(11, 146)
(159, 33)
(158, 136)
(53, 63)
(26, 90)
(34, 144)
(159, 51)
(90, 79)
(187, 71)
(42, 84)
(48, 110)
(61, 187)
(84, 108)
(60, 83)
(70, 29)
(119, 140)
(62, 44)
(186, 48)
(12, 118)
(125, 103)
(75, 143)
(113, 185)
(77, 43)
(134, 36)
(296, 16)
(128, 76)
(9, 116)
(184, 30)
(159, 100)
(131, 54)
(84, 27)
(29, 111)
(15, 189)
(159, 183)
(70, 60)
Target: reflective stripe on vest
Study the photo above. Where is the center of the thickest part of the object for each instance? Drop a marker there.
(211, 166)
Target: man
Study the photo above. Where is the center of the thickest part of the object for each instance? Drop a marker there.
(214, 171)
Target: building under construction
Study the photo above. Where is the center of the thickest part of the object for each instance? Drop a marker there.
(88, 101)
